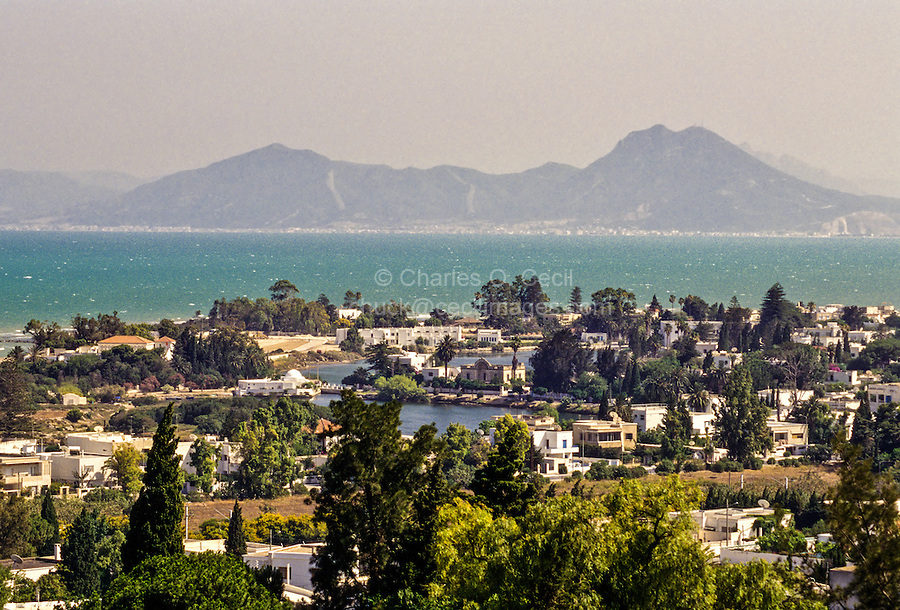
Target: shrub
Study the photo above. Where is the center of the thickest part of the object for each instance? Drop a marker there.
(563, 469)
(599, 471)
(692, 466)
(754, 463)
(74, 415)
(726, 466)
(142, 401)
(665, 467)
(771, 461)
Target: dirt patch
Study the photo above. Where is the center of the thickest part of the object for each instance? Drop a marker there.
(199, 512)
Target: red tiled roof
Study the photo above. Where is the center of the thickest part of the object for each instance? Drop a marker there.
(125, 340)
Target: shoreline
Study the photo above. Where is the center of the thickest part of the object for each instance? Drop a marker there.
(492, 231)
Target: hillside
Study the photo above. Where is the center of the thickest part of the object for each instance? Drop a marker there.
(653, 180)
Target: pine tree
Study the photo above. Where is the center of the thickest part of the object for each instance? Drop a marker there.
(236, 543)
(155, 520)
(48, 514)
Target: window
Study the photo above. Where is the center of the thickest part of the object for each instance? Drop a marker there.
(565, 443)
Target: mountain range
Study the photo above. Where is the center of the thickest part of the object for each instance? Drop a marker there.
(654, 180)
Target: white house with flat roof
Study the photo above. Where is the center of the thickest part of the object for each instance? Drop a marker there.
(883, 394)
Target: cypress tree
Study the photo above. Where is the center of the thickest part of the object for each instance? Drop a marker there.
(80, 569)
(155, 520)
(236, 544)
(48, 514)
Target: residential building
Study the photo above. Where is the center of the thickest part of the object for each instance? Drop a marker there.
(882, 394)
(787, 435)
(731, 525)
(430, 335)
(594, 338)
(73, 400)
(492, 374)
(132, 341)
(557, 449)
(105, 443)
(73, 467)
(648, 417)
(489, 335)
(294, 563)
(24, 475)
(410, 359)
(607, 434)
(430, 373)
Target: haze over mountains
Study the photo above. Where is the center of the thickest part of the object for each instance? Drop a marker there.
(653, 180)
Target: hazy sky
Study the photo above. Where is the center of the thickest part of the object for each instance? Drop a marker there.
(153, 87)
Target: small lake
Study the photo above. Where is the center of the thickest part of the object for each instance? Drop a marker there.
(414, 415)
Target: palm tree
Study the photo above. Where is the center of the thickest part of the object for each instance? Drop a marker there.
(445, 351)
(514, 344)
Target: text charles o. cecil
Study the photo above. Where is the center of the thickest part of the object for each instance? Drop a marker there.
(457, 277)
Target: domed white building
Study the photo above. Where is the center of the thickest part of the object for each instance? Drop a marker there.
(291, 384)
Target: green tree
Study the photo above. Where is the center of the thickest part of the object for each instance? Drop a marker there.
(203, 459)
(80, 569)
(48, 514)
(500, 305)
(282, 290)
(865, 523)
(155, 519)
(741, 421)
(14, 526)
(500, 484)
(125, 466)
(201, 580)
(366, 503)
(445, 351)
(399, 387)
(378, 358)
(267, 465)
(15, 399)
(236, 543)
(559, 360)
(760, 585)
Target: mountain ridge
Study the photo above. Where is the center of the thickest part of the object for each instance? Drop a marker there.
(653, 180)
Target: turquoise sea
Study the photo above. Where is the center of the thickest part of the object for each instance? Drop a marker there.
(149, 276)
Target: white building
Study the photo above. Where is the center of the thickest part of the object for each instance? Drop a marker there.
(430, 373)
(557, 449)
(292, 384)
(594, 338)
(882, 394)
(403, 336)
(489, 335)
(105, 443)
(294, 564)
(648, 417)
(730, 525)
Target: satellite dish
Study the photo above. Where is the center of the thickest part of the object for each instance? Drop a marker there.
(16, 559)
(764, 503)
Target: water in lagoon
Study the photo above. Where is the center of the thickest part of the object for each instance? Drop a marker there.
(149, 276)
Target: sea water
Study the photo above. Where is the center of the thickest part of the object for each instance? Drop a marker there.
(150, 276)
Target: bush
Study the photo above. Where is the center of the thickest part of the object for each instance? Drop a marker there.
(563, 469)
(692, 466)
(143, 401)
(726, 466)
(74, 415)
(599, 471)
(665, 467)
(771, 461)
(754, 463)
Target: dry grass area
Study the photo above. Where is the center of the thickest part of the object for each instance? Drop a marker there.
(250, 509)
(809, 478)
